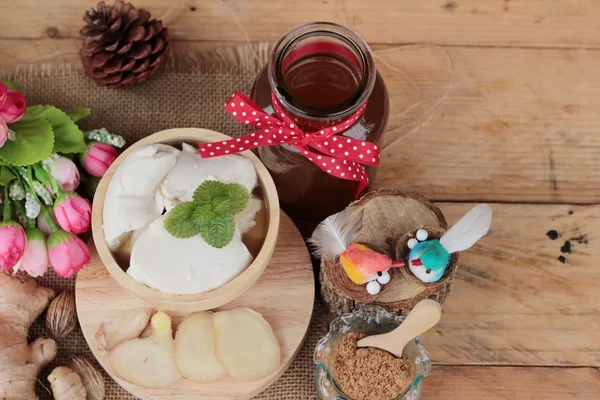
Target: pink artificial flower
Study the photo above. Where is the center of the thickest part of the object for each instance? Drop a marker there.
(66, 174)
(12, 244)
(3, 93)
(3, 132)
(12, 109)
(35, 259)
(98, 158)
(73, 213)
(42, 223)
(68, 254)
(14, 105)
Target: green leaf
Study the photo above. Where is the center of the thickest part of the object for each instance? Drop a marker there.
(218, 231)
(224, 198)
(13, 86)
(6, 176)
(210, 214)
(78, 113)
(202, 212)
(67, 136)
(180, 223)
(209, 190)
(238, 196)
(33, 142)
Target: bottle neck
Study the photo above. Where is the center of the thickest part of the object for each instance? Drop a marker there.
(321, 74)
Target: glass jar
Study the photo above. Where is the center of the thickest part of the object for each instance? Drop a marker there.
(321, 73)
(371, 320)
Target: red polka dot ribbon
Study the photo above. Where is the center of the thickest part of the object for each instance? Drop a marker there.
(340, 156)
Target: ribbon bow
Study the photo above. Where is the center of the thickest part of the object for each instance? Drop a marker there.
(340, 156)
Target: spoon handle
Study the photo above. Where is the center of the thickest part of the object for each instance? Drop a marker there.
(423, 317)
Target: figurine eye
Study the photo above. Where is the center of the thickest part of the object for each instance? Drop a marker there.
(427, 271)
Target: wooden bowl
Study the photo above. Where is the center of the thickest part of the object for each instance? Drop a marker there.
(188, 302)
(402, 253)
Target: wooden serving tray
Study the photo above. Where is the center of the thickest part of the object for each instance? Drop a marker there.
(284, 295)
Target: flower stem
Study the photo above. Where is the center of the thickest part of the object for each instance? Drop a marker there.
(40, 174)
(50, 178)
(49, 219)
(22, 215)
(7, 209)
(26, 177)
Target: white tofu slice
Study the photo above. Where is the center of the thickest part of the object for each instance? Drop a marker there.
(132, 200)
(191, 171)
(245, 220)
(185, 266)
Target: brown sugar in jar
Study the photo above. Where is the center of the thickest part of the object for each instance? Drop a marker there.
(321, 74)
(369, 373)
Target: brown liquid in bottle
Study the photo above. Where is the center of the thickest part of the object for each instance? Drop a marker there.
(321, 81)
(319, 85)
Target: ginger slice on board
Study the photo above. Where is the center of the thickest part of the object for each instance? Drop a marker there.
(245, 344)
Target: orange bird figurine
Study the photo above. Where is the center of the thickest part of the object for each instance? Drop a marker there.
(362, 264)
(334, 237)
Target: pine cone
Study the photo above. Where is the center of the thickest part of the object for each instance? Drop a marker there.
(122, 46)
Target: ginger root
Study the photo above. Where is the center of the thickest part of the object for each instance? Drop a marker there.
(21, 302)
(66, 384)
(126, 327)
(149, 362)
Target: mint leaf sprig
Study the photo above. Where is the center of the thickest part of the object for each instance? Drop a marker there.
(210, 213)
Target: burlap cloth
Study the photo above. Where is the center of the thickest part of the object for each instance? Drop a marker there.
(190, 92)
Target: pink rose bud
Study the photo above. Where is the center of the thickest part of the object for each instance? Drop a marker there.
(35, 259)
(98, 158)
(12, 244)
(73, 213)
(14, 106)
(42, 223)
(3, 132)
(3, 93)
(68, 254)
(66, 174)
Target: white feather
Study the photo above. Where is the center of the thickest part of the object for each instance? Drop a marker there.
(334, 235)
(468, 230)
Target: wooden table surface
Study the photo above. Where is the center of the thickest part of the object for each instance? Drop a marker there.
(494, 101)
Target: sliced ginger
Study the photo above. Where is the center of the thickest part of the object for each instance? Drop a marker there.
(245, 344)
(126, 327)
(148, 362)
(207, 347)
(195, 349)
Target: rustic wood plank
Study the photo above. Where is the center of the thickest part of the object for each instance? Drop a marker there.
(513, 302)
(492, 124)
(495, 383)
(14, 52)
(559, 23)
(466, 124)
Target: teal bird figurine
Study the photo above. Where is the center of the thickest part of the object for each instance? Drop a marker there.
(428, 259)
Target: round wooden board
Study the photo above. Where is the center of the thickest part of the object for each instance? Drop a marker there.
(284, 295)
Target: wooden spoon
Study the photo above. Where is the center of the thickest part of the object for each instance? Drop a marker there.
(423, 317)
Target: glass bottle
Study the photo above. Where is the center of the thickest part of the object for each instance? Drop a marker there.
(321, 73)
(370, 320)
